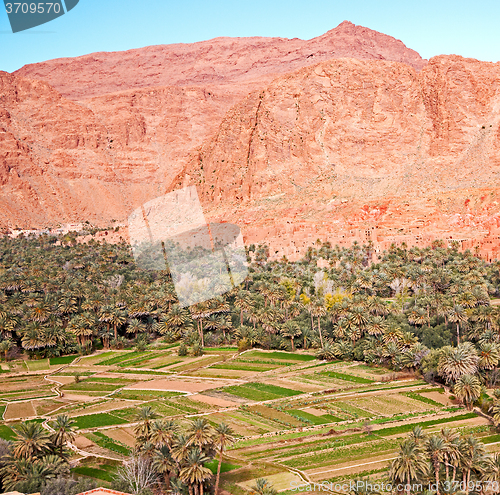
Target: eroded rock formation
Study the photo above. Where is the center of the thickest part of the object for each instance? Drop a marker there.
(348, 136)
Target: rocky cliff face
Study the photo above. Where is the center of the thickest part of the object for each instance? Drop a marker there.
(352, 144)
(216, 62)
(118, 127)
(371, 143)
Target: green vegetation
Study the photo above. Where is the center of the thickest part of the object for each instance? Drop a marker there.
(136, 394)
(316, 420)
(108, 443)
(345, 377)
(279, 355)
(62, 360)
(96, 420)
(91, 472)
(225, 467)
(427, 400)
(7, 433)
(260, 391)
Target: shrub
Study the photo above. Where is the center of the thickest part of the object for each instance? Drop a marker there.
(243, 344)
(182, 350)
(197, 350)
(68, 486)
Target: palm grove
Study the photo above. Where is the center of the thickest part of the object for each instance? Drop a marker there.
(423, 310)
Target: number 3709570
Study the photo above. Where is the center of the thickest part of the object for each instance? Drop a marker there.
(33, 8)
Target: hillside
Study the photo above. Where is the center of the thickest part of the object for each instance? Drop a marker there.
(350, 135)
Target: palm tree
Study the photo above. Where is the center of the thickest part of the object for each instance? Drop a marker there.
(163, 432)
(376, 326)
(408, 465)
(319, 310)
(200, 432)
(163, 463)
(32, 440)
(143, 429)
(194, 473)
(5, 347)
(328, 352)
(135, 326)
(290, 329)
(106, 315)
(488, 355)
(8, 322)
(449, 437)
(418, 435)
(224, 437)
(263, 487)
(472, 456)
(459, 316)
(25, 470)
(63, 426)
(32, 338)
(243, 302)
(180, 448)
(468, 389)
(117, 319)
(435, 447)
(490, 470)
(457, 361)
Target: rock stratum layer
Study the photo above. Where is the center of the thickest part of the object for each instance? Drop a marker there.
(215, 62)
(362, 150)
(371, 143)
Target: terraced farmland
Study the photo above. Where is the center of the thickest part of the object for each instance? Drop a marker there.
(294, 417)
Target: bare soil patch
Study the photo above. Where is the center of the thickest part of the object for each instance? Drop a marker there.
(441, 398)
(61, 379)
(18, 385)
(19, 410)
(280, 481)
(46, 406)
(314, 411)
(83, 442)
(217, 373)
(121, 435)
(214, 401)
(79, 397)
(301, 386)
(109, 405)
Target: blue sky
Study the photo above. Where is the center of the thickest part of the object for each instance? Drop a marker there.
(432, 27)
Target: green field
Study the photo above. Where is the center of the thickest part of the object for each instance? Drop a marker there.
(286, 356)
(96, 420)
(260, 391)
(344, 377)
(7, 433)
(43, 364)
(91, 472)
(62, 360)
(108, 443)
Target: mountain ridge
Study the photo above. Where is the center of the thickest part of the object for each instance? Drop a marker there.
(357, 147)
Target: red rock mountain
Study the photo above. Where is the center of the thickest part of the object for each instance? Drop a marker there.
(221, 61)
(350, 135)
(349, 144)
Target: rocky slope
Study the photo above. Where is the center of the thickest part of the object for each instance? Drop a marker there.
(216, 62)
(102, 154)
(352, 144)
(371, 143)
